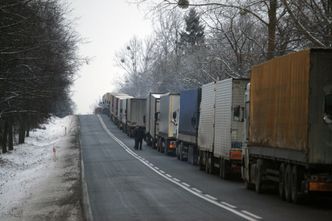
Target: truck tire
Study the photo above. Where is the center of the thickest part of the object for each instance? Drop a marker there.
(200, 160)
(177, 151)
(287, 182)
(259, 174)
(223, 169)
(165, 147)
(281, 183)
(181, 151)
(207, 163)
(295, 185)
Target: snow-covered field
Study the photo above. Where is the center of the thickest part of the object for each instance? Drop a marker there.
(38, 184)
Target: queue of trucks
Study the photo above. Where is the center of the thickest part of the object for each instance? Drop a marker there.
(272, 129)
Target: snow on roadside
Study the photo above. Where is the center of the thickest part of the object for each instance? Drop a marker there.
(22, 170)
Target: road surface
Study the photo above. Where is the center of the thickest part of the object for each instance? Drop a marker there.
(127, 184)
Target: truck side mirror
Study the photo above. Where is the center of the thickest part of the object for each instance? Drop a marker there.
(156, 116)
(174, 115)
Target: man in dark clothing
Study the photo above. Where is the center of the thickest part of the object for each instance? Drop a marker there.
(139, 134)
(135, 134)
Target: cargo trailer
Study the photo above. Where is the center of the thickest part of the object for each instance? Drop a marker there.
(220, 136)
(122, 111)
(206, 125)
(168, 122)
(290, 125)
(152, 118)
(229, 126)
(136, 112)
(186, 146)
(114, 105)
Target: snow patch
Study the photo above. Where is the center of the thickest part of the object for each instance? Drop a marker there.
(24, 168)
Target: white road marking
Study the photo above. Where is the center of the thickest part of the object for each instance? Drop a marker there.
(168, 175)
(183, 185)
(196, 190)
(177, 180)
(156, 168)
(251, 214)
(229, 205)
(210, 197)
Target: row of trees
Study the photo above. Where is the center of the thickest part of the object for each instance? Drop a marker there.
(219, 39)
(37, 63)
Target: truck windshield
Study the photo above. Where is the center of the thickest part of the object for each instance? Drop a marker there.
(328, 104)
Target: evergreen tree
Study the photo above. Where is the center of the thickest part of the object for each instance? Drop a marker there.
(193, 35)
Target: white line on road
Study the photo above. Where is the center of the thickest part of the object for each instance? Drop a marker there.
(156, 168)
(183, 185)
(196, 190)
(210, 197)
(175, 179)
(229, 205)
(168, 175)
(251, 214)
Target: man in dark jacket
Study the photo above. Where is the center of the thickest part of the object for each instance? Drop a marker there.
(139, 134)
(135, 134)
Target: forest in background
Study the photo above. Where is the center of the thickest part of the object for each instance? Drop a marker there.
(38, 60)
(199, 41)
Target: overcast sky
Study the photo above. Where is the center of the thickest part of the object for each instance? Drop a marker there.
(107, 25)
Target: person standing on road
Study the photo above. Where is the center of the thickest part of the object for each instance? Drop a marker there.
(135, 134)
(140, 137)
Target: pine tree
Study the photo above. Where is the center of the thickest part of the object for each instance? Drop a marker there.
(193, 35)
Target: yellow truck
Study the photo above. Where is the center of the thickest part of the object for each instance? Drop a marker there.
(289, 124)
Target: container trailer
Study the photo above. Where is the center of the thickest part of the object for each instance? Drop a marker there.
(168, 122)
(136, 112)
(290, 125)
(221, 130)
(152, 118)
(186, 146)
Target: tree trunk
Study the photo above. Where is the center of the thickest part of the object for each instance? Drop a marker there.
(21, 132)
(272, 29)
(10, 135)
(4, 138)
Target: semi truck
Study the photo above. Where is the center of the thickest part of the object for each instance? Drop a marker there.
(289, 139)
(114, 105)
(136, 112)
(122, 111)
(186, 146)
(168, 122)
(152, 119)
(221, 130)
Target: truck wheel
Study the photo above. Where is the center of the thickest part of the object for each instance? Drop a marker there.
(287, 182)
(259, 173)
(295, 184)
(181, 151)
(223, 169)
(200, 160)
(177, 151)
(281, 183)
(207, 162)
(165, 146)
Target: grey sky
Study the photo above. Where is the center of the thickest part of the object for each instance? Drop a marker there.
(107, 25)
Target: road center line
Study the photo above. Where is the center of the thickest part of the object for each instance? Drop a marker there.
(196, 190)
(242, 214)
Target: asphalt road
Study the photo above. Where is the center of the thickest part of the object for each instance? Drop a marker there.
(127, 184)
